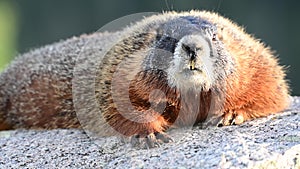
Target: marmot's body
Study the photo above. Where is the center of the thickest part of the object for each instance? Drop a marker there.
(171, 69)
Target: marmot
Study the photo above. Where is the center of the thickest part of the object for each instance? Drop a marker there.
(170, 69)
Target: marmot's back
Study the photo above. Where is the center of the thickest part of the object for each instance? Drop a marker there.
(36, 88)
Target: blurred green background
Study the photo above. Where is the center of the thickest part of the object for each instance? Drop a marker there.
(28, 24)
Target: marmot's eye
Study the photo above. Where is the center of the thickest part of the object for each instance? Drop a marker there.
(190, 52)
(186, 48)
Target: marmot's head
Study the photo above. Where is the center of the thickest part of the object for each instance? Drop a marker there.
(192, 66)
(186, 48)
(194, 54)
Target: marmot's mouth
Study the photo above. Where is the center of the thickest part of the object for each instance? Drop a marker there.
(192, 71)
(195, 69)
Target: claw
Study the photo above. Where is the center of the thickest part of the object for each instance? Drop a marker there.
(164, 137)
(152, 140)
(135, 140)
(232, 118)
(239, 119)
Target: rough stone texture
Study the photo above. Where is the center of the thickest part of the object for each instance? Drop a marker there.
(272, 142)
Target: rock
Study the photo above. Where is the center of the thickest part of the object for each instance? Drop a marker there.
(271, 142)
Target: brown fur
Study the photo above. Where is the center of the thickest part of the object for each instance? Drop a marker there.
(173, 109)
(258, 88)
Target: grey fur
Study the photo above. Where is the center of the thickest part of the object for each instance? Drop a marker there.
(55, 61)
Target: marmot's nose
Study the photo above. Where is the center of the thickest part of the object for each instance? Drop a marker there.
(192, 64)
(192, 60)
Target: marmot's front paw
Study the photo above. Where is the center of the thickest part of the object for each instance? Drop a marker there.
(232, 118)
(151, 140)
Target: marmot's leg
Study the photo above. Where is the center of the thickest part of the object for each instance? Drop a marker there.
(146, 128)
(238, 116)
